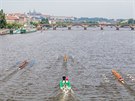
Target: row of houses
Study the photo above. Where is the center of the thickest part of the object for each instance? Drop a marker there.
(34, 17)
(16, 18)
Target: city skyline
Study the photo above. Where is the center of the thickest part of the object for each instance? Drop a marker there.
(87, 8)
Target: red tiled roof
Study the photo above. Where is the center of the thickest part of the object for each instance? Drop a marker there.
(12, 18)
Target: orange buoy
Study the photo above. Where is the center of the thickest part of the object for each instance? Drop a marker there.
(118, 76)
(23, 64)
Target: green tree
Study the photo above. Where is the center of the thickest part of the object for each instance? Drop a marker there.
(44, 21)
(2, 19)
(13, 25)
(34, 23)
(131, 21)
(9, 25)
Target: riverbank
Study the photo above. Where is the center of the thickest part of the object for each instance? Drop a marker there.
(17, 31)
(4, 31)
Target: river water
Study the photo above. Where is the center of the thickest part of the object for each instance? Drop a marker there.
(92, 54)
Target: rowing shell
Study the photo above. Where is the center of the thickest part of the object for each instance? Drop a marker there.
(118, 76)
(23, 64)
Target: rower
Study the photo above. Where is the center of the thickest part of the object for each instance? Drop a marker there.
(65, 83)
(121, 80)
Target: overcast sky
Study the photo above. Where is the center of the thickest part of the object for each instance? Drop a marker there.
(78, 8)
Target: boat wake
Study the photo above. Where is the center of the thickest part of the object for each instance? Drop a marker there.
(64, 95)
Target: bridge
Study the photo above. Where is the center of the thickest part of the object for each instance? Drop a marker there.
(85, 26)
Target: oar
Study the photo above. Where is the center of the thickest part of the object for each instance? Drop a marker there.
(31, 63)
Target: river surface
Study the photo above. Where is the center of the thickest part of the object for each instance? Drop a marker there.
(92, 54)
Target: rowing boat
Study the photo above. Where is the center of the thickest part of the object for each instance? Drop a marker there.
(118, 76)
